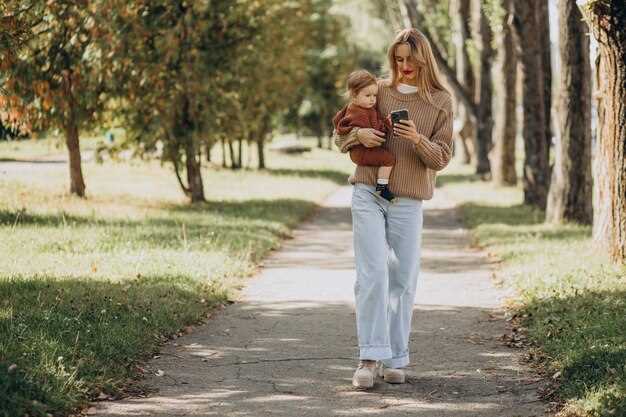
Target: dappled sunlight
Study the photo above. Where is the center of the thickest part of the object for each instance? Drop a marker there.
(273, 358)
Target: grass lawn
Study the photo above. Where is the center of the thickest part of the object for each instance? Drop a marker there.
(572, 301)
(90, 288)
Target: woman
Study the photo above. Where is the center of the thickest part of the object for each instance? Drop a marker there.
(387, 235)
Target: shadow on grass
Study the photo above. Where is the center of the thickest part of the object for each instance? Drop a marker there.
(65, 335)
(254, 226)
(520, 215)
(338, 177)
(277, 210)
(586, 333)
(445, 179)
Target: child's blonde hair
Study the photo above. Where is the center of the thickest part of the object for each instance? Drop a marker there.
(358, 80)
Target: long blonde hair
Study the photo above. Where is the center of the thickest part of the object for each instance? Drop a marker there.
(428, 77)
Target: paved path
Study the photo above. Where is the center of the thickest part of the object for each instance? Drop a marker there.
(288, 347)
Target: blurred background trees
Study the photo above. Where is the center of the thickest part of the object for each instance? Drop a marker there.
(185, 78)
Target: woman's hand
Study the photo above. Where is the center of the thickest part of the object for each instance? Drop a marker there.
(369, 137)
(406, 130)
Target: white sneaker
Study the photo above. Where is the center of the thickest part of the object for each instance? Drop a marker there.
(392, 375)
(365, 374)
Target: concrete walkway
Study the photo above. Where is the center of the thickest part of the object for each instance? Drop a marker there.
(288, 347)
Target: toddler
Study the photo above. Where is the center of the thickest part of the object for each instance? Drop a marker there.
(362, 112)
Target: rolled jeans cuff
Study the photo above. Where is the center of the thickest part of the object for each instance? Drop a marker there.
(375, 352)
(399, 362)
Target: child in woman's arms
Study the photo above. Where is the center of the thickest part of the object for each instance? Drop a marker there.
(362, 112)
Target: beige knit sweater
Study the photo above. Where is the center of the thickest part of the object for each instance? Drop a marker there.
(416, 164)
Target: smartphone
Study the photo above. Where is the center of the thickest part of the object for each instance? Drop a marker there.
(397, 115)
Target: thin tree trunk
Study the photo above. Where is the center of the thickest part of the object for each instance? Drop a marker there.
(461, 16)
(528, 44)
(208, 146)
(231, 153)
(261, 151)
(223, 141)
(570, 194)
(194, 175)
(481, 34)
(543, 17)
(607, 21)
(322, 130)
(77, 183)
(503, 160)
(240, 155)
(249, 155)
(266, 129)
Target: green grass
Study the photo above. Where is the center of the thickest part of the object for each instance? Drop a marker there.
(572, 299)
(90, 288)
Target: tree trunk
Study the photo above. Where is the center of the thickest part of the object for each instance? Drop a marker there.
(240, 155)
(528, 44)
(503, 159)
(570, 194)
(223, 140)
(461, 18)
(77, 183)
(194, 175)
(208, 146)
(481, 33)
(543, 17)
(231, 153)
(249, 155)
(260, 146)
(321, 134)
(607, 21)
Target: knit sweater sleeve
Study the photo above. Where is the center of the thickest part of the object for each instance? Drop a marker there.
(347, 141)
(436, 151)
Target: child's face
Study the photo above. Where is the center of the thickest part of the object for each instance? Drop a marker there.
(366, 97)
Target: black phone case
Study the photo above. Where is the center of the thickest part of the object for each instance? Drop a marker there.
(398, 115)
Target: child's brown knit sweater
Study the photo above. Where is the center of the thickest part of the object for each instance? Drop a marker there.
(416, 164)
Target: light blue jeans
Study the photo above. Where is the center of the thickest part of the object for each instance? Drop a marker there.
(387, 249)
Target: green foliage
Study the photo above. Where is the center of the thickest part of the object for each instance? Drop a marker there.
(170, 60)
(52, 76)
(437, 19)
(330, 58)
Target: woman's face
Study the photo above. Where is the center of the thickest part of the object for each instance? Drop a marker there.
(407, 67)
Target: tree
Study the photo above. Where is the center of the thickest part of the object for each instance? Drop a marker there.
(277, 54)
(464, 73)
(171, 60)
(329, 59)
(482, 36)
(607, 21)
(570, 194)
(543, 18)
(53, 77)
(527, 30)
(505, 80)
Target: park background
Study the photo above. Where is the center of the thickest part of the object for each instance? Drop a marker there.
(152, 153)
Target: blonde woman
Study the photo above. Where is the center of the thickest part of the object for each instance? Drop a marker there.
(387, 235)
